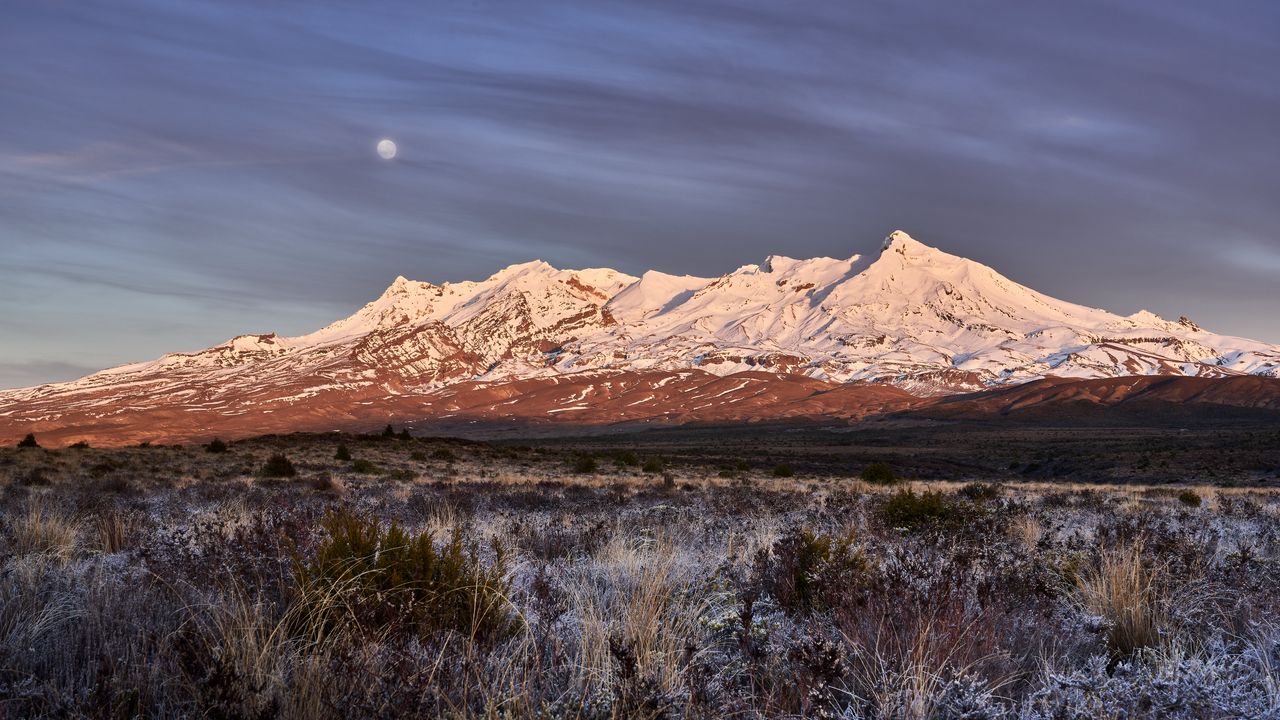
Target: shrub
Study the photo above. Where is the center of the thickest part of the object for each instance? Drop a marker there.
(627, 458)
(215, 446)
(388, 431)
(112, 483)
(783, 470)
(584, 463)
(36, 476)
(363, 466)
(79, 445)
(385, 578)
(343, 453)
(418, 456)
(1189, 497)
(907, 509)
(879, 473)
(444, 454)
(654, 465)
(325, 484)
(980, 492)
(277, 466)
(29, 441)
(808, 572)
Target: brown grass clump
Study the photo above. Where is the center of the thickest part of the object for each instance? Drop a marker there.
(112, 532)
(1124, 589)
(43, 529)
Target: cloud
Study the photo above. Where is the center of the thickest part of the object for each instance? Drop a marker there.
(223, 152)
(36, 372)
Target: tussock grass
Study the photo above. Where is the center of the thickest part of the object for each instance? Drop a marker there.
(1124, 588)
(629, 591)
(45, 529)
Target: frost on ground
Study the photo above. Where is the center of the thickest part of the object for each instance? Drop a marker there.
(419, 578)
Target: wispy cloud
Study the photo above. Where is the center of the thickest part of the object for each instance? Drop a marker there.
(193, 149)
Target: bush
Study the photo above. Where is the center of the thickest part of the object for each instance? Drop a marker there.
(807, 572)
(215, 446)
(325, 484)
(980, 492)
(907, 509)
(79, 445)
(418, 456)
(654, 465)
(783, 470)
(388, 431)
(627, 458)
(277, 466)
(363, 466)
(385, 578)
(29, 441)
(879, 473)
(343, 453)
(444, 454)
(584, 464)
(1190, 498)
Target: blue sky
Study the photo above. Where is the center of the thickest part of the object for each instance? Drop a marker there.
(174, 173)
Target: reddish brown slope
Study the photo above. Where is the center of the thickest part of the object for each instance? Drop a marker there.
(566, 402)
(1063, 394)
(576, 402)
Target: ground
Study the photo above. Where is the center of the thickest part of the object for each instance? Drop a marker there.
(993, 572)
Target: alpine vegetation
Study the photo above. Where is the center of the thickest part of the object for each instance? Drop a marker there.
(461, 579)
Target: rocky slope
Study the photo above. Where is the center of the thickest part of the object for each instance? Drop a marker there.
(913, 317)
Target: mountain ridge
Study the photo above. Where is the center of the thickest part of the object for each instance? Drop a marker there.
(914, 317)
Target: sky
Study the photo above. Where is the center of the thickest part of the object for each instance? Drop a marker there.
(176, 173)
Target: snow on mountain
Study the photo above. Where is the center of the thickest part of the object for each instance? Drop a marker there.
(912, 316)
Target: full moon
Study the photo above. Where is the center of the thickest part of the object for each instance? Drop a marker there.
(386, 149)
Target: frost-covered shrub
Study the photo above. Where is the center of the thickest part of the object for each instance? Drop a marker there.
(1219, 684)
(806, 571)
(907, 509)
(383, 577)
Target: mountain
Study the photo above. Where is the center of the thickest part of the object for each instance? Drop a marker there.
(913, 319)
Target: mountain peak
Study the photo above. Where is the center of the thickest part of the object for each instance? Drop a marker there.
(902, 243)
(540, 267)
(402, 286)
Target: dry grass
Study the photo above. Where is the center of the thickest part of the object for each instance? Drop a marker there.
(45, 529)
(280, 658)
(1027, 531)
(112, 530)
(28, 611)
(628, 591)
(1124, 589)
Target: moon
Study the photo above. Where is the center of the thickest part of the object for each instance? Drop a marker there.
(386, 149)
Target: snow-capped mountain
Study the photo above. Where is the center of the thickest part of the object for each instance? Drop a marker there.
(912, 316)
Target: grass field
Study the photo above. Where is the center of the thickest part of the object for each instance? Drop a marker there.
(615, 578)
